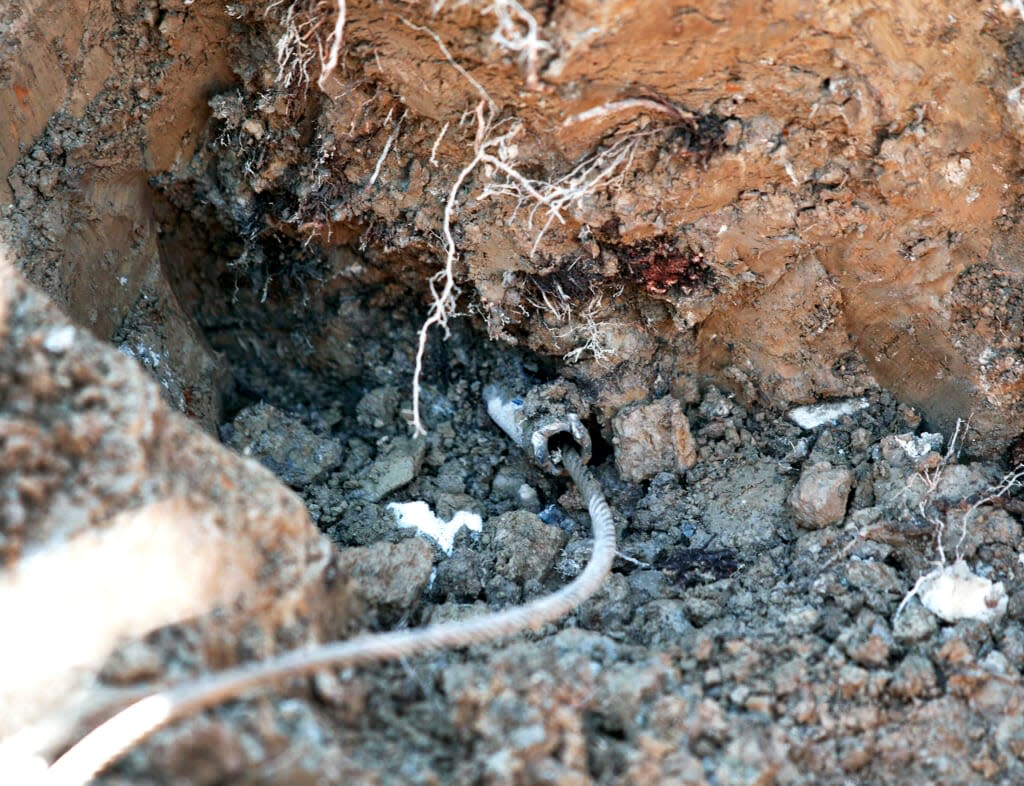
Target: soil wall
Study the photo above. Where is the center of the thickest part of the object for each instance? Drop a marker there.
(798, 200)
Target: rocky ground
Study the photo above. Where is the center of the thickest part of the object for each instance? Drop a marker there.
(748, 633)
(748, 211)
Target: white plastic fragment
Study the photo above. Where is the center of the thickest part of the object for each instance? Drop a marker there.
(505, 412)
(954, 592)
(917, 447)
(59, 340)
(419, 515)
(811, 416)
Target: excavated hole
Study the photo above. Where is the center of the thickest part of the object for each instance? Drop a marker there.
(725, 626)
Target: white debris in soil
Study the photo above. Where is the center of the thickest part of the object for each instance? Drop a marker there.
(813, 415)
(419, 515)
(954, 593)
(1013, 102)
(504, 412)
(150, 358)
(59, 340)
(920, 446)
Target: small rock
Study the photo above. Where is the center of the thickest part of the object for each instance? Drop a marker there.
(819, 497)
(914, 678)
(506, 484)
(661, 623)
(852, 680)
(525, 547)
(854, 754)
(398, 467)
(347, 698)
(528, 498)
(914, 624)
(389, 576)
(133, 662)
(610, 609)
(379, 407)
(868, 641)
(749, 506)
(624, 688)
(879, 582)
(462, 576)
(716, 405)
(653, 438)
(647, 585)
(209, 750)
(282, 444)
(1011, 644)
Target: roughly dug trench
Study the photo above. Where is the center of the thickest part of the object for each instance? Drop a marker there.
(702, 214)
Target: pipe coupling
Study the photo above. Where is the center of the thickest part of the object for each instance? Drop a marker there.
(540, 422)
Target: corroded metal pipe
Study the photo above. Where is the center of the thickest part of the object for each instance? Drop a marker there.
(545, 420)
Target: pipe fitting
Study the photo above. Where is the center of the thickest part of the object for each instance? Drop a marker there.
(541, 419)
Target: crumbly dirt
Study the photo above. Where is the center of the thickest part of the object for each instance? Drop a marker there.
(732, 643)
(801, 203)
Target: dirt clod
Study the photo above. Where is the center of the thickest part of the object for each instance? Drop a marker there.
(653, 438)
(282, 444)
(396, 466)
(525, 547)
(389, 576)
(819, 498)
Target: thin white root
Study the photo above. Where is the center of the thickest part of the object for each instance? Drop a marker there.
(437, 144)
(484, 95)
(497, 153)
(598, 172)
(624, 105)
(443, 304)
(387, 148)
(1009, 481)
(334, 40)
(518, 31)
(588, 333)
(931, 478)
(302, 40)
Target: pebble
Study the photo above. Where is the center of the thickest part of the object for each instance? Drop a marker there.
(819, 497)
(653, 438)
(398, 467)
(914, 678)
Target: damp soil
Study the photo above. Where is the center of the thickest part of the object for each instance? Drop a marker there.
(797, 227)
